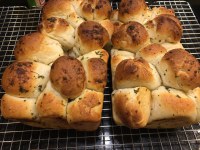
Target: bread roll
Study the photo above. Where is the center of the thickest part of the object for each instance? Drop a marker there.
(68, 76)
(25, 79)
(17, 108)
(60, 30)
(95, 65)
(116, 57)
(94, 10)
(152, 53)
(132, 10)
(156, 11)
(100, 53)
(84, 113)
(90, 36)
(108, 25)
(131, 107)
(164, 28)
(136, 72)
(61, 9)
(180, 70)
(35, 47)
(131, 36)
(52, 107)
(171, 108)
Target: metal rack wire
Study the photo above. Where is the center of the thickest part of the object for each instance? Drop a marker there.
(18, 21)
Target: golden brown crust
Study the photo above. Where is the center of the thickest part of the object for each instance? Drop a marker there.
(162, 10)
(184, 69)
(97, 74)
(95, 9)
(132, 69)
(133, 109)
(25, 79)
(50, 105)
(102, 10)
(92, 36)
(17, 78)
(130, 36)
(171, 104)
(108, 25)
(152, 53)
(68, 76)
(53, 23)
(35, 46)
(18, 108)
(166, 23)
(60, 30)
(85, 110)
(165, 27)
(130, 8)
(53, 7)
(153, 49)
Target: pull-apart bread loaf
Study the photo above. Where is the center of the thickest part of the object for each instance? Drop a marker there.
(66, 94)
(155, 81)
(60, 72)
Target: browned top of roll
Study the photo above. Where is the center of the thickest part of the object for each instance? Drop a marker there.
(153, 49)
(68, 76)
(131, 7)
(168, 26)
(18, 77)
(133, 69)
(169, 23)
(97, 70)
(93, 35)
(185, 66)
(53, 23)
(130, 36)
(25, 44)
(55, 7)
(96, 9)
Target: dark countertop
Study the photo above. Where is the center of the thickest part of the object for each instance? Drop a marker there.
(195, 4)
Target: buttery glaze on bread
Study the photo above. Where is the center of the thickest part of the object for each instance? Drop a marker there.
(175, 109)
(155, 81)
(131, 106)
(90, 36)
(136, 72)
(35, 47)
(94, 10)
(177, 106)
(60, 30)
(25, 78)
(61, 9)
(68, 72)
(180, 70)
(132, 10)
(47, 96)
(164, 28)
(152, 57)
(130, 36)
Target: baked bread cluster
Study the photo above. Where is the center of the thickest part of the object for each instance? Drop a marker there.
(155, 81)
(60, 72)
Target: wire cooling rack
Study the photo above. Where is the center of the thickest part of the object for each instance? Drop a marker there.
(18, 21)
